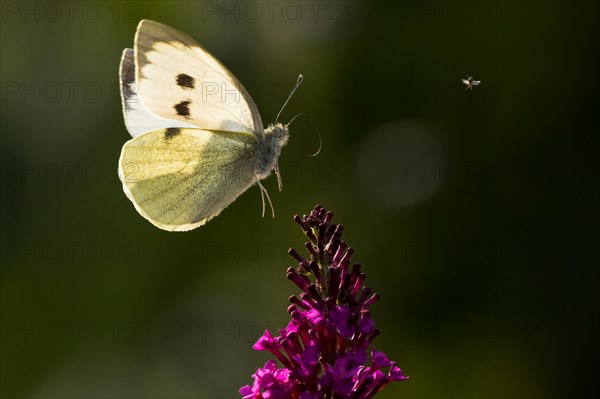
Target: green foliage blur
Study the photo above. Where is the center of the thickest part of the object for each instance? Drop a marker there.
(473, 213)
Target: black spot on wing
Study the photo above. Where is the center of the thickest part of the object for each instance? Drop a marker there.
(172, 132)
(183, 108)
(186, 81)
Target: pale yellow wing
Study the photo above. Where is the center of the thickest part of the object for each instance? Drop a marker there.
(177, 79)
(179, 178)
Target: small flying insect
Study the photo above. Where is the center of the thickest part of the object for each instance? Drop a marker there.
(469, 82)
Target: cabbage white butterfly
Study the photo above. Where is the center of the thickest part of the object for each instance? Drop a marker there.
(198, 139)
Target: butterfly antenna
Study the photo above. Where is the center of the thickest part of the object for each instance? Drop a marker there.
(316, 128)
(300, 79)
(263, 193)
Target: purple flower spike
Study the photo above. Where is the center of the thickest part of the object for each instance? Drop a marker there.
(323, 350)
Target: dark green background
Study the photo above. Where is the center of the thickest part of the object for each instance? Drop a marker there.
(474, 214)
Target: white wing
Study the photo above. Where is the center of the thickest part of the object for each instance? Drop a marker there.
(476, 82)
(177, 79)
(137, 118)
(465, 81)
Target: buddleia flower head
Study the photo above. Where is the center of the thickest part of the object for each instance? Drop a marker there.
(326, 349)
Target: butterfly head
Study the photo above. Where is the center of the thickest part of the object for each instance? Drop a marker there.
(278, 134)
(269, 148)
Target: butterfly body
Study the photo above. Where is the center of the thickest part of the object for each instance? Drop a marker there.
(198, 141)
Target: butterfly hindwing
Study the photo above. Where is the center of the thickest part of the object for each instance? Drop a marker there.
(179, 178)
(179, 80)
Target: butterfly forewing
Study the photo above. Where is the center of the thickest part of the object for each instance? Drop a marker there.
(180, 80)
(137, 118)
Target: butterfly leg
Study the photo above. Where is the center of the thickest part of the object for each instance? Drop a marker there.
(263, 193)
(278, 177)
(262, 197)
